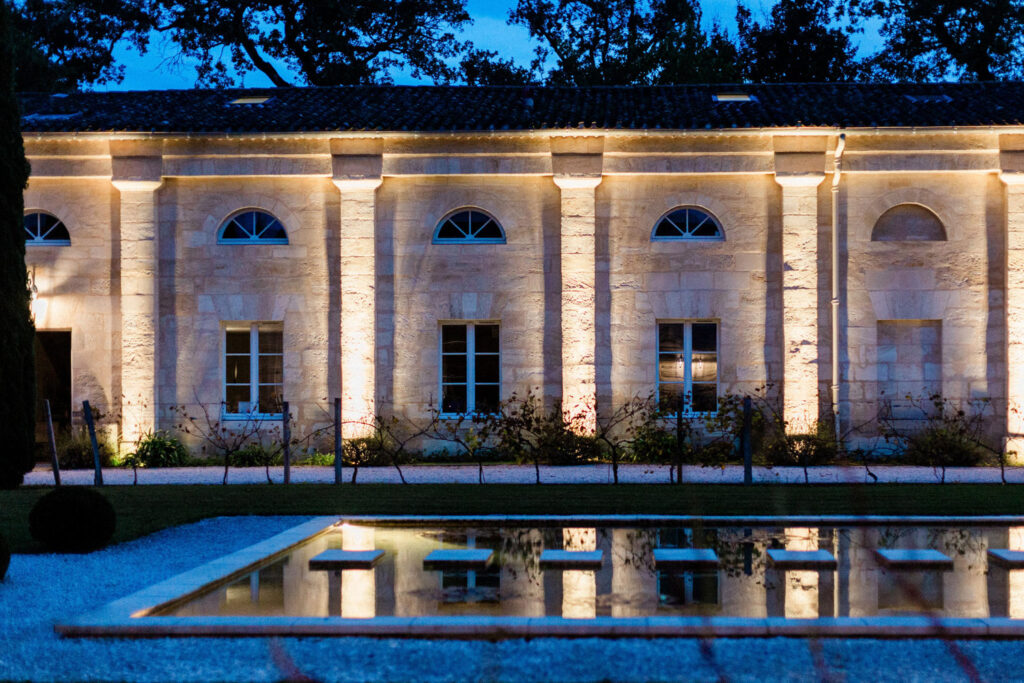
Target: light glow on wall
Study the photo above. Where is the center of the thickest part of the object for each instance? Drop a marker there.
(579, 588)
(358, 586)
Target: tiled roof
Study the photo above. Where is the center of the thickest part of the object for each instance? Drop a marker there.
(467, 108)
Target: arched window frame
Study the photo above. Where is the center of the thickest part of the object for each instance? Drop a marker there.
(43, 241)
(655, 237)
(468, 240)
(255, 239)
(904, 240)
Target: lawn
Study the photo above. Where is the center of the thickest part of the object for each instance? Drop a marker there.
(144, 509)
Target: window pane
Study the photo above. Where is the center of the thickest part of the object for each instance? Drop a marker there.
(453, 399)
(237, 342)
(453, 338)
(670, 337)
(271, 398)
(670, 396)
(235, 395)
(271, 369)
(705, 337)
(448, 231)
(487, 369)
(487, 398)
(237, 370)
(671, 367)
(705, 367)
(705, 399)
(232, 231)
(489, 231)
(453, 369)
(461, 221)
(271, 341)
(487, 339)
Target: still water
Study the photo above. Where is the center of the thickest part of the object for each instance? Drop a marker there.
(630, 583)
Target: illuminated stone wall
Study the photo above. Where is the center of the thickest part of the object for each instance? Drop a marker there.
(767, 284)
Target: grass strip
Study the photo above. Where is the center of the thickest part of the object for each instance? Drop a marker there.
(142, 510)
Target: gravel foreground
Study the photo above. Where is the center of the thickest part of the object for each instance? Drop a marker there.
(40, 589)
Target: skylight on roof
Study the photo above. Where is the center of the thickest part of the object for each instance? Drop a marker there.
(929, 98)
(249, 100)
(733, 97)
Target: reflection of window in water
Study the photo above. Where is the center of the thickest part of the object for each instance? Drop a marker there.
(909, 591)
(472, 585)
(688, 588)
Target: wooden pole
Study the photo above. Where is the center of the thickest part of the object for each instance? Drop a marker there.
(53, 444)
(337, 441)
(97, 479)
(748, 461)
(287, 444)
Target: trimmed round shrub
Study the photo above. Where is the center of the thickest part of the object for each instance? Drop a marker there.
(5, 557)
(72, 520)
(942, 446)
(160, 449)
(256, 455)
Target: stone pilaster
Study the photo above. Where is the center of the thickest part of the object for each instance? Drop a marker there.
(800, 299)
(1014, 314)
(577, 163)
(357, 168)
(137, 169)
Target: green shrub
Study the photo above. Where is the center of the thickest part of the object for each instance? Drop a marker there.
(316, 459)
(562, 447)
(654, 445)
(940, 445)
(256, 455)
(369, 451)
(801, 450)
(160, 449)
(5, 557)
(72, 519)
(74, 452)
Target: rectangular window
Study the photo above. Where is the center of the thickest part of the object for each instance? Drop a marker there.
(253, 369)
(688, 366)
(470, 368)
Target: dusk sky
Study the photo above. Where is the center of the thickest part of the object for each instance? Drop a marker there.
(159, 68)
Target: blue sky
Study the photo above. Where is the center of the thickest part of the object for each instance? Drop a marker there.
(160, 68)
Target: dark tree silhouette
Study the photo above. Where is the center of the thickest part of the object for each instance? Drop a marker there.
(796, 44)
(17, 362)
(947, 39)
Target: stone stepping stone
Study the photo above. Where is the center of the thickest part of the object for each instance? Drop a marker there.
(685, 559)
(1008, 559)
(345, 559)
(815, 560)
(461, 558)
(913, 559)
(571, 559)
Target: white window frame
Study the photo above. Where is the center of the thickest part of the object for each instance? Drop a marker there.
(688, 364)
(254, 330)
(470, 354)
(250, 240)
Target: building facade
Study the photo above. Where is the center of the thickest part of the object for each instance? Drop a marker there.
(409, 248)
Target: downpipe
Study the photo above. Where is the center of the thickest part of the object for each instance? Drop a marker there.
(837, 171)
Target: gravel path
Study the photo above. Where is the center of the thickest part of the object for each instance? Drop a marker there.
(524, 474)
(41, 588)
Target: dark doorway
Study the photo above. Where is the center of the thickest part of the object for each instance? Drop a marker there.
(53, 381)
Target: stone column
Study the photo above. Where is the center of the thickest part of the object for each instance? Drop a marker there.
(137, 175)
(579, 587)
(577, 164)
(1015, 314)
(357, 166)
(800, 299)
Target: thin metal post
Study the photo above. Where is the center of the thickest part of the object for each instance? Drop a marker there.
(287, 435)
(97, 479)
(53, 444)
(679, 440)
(748, 460)
(337, 441)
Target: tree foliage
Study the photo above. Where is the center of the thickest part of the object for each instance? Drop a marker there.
(17, 363)
(796, 44)
(944, 39)
(325, 42)
(64, 45)
(619, 42)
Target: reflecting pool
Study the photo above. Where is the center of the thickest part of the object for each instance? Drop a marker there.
(613, 571)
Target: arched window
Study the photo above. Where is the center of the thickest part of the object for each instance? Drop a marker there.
(469, 226)
(908, 223)
(252, 227)
(687, 223)
(45, 228)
